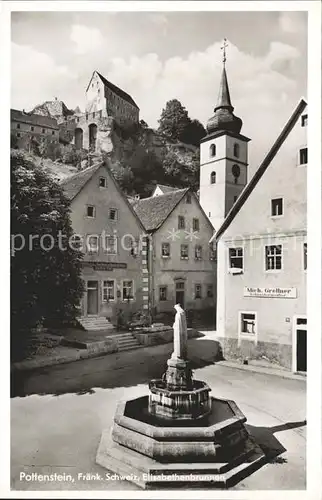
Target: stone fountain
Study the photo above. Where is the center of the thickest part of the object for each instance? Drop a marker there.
(178, 434)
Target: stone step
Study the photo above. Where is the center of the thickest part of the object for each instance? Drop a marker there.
(95, 323)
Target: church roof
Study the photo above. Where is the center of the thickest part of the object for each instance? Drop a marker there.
(249, 188)
(117, 90)
(155, 210)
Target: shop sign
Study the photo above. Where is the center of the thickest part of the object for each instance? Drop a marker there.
(104, 266)
(270, 292)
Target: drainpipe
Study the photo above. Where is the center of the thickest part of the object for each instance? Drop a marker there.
(151, 273)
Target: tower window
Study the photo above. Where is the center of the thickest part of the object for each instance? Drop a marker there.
(303, 156)
(236, 150)
(277, 207)
(235, 170)
(212, 150)
(213, 178)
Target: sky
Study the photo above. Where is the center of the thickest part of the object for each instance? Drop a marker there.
(158, 56)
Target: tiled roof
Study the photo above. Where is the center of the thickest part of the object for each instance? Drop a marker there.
(33, 119)
(155, 210)
(248, 189)
(72, 185)
(117, 91)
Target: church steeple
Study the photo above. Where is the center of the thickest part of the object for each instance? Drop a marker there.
(224, 119)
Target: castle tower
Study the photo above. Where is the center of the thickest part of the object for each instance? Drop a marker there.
(223, 157)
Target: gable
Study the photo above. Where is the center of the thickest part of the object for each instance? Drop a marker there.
(285, 179)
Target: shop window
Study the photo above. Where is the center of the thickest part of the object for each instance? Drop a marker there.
(273, 257)
(248, 323)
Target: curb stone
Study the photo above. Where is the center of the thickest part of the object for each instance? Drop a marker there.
(264, 370)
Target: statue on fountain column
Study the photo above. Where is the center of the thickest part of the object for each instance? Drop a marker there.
(178, 375)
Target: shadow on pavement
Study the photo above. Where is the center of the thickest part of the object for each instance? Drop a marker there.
(125, 369)
(264, 436)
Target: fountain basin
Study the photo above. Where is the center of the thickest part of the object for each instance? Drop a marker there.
(179, 404)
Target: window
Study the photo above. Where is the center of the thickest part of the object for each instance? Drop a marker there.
(180, 285)
(305, 256)
(304, 121)
(127, 290)
(113, 214)
(248, 323)
(102, 182)
(212, 252)
(18, 125)
(303, 156)
(32, 129)
(195, 224)
(235, 198)
(165, 250)
(76, 242)
(108, 290)
(235, 170)
(163, 292)
(188, 198)
(181, 222)
(236, 258)
(210, 291)
(212, 150)
(213, 178)
(90, 211)
(53, 132)
(198, 252)
(18, 135)
(184, 252)
(111, 245)
(197, 291)
(92, 244)
(273, 257)
(277, 207)
(236, 150)
(43, 130)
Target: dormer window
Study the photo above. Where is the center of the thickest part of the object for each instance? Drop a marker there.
(236, 150)
(213, 178)
(212, 150)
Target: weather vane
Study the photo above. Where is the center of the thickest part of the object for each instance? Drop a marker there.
(223, 48)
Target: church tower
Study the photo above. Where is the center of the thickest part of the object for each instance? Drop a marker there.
(223, 157)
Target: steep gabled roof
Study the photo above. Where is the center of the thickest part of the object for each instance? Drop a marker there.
(116, 90)
(74, 184)
(249, 188)
(155, 210)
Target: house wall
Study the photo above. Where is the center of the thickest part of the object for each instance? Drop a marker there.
(25, 131)
(167, 271)
(125, 228)
(252, 229)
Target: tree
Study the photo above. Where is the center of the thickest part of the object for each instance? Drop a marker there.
(193, 133)
(174, 120)
(46, 284)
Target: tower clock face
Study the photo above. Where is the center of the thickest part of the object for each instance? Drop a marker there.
(235, 170)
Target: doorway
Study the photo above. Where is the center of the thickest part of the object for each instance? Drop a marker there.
(300, 344)
(92, 136)
(78, 138)
(180, 298)
(92, 297)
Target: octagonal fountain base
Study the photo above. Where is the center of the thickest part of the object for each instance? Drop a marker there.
(154, 452)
